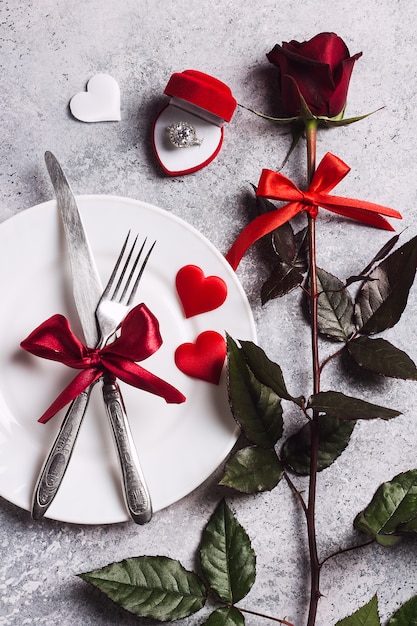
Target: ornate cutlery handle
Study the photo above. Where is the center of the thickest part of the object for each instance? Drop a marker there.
(56, 463)
(137, 496)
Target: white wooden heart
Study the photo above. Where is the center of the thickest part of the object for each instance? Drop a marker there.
(101, 101)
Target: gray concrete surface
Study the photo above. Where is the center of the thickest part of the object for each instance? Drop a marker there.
(49, 50)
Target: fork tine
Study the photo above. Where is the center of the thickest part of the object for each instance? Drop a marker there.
(115, 269)
(132, 271)
(120, 273)
(123, 272)
(141, 270)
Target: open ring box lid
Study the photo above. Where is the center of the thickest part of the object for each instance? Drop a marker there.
(205, 103)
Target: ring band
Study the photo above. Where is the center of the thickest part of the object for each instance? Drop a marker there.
(183, 135)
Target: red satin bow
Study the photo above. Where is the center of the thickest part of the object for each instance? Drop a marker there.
(139, 338)
(328, 174)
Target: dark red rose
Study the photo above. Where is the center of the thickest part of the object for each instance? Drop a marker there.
(318, 69)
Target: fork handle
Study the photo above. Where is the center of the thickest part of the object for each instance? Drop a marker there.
(56, 462)
(137, 496)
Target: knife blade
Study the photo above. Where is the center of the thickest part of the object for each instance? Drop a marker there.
(87, 290)
(86, 284)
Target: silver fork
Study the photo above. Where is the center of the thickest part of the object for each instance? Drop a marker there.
(111, 310)
(113, 307)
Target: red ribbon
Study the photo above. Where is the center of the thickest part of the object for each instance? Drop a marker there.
(276, 186)
(139, 338)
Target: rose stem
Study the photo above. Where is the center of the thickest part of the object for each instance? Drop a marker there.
(268, 617)
(311, 131)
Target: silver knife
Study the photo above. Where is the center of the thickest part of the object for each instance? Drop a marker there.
(87, 291)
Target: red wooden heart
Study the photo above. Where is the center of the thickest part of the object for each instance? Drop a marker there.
(203, 359)
(198, 293)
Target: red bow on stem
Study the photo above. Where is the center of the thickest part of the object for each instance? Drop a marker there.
(276, 186)
(139, 338)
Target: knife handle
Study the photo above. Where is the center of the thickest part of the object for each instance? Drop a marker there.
(56, 463)
(137, 496)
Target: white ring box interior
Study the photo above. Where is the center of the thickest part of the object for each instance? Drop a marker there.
(209, 130)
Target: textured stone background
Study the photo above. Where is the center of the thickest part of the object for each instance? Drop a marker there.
(49, 50)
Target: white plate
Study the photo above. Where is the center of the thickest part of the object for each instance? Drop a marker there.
(179, 445)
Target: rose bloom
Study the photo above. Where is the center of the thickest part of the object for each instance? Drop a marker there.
(319, 70)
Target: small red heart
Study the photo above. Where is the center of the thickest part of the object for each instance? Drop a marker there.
(203, 359)
(198, 293)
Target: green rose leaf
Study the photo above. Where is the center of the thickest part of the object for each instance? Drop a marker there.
(409, 527)
(227, 558)
(284, 241)
(334, 436)
(406, 615)
(277, 120)
(289, 271)
(334, 123)
(283, 279)
(151, 586)
(266, 371)
(381, 301)
(255, 406)
(335, 307)
(381, 357)
(382, 253)
(345, 407)
(252, 470)
(365, 616)
(356, 279)
(302, 243)
(263, 205)
(225, 616)
(393, 506)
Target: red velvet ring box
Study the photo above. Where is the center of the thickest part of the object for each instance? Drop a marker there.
(201, 101)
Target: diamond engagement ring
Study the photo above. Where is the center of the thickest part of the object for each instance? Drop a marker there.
(183, 135)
